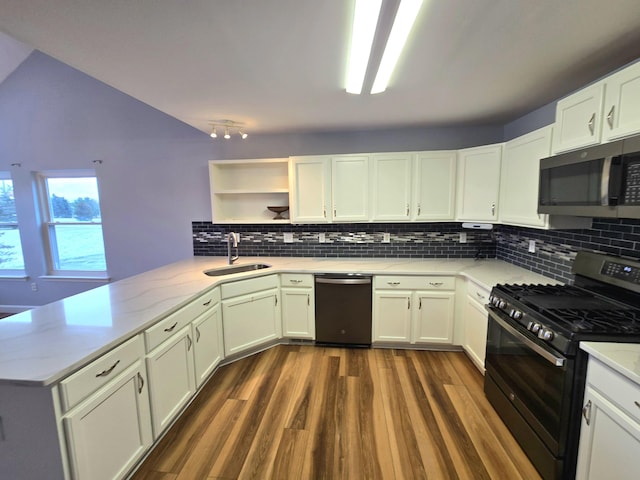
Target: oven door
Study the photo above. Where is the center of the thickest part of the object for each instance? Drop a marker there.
(534, 379)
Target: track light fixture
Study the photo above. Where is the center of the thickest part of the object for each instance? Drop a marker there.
(229, 126)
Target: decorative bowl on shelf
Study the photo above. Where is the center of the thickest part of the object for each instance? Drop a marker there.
(278, 211)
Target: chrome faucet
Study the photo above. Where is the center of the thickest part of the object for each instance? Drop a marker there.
(232, 240)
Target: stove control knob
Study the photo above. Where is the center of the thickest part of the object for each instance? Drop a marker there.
(535, 328)
(545, 334)
(517, 314)
(502, 304)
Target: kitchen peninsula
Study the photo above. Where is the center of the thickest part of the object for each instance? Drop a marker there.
(52, 356)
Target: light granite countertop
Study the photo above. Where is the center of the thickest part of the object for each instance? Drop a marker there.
(624, 358)
(43, 345)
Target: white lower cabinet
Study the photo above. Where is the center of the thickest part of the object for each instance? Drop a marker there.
(405, 312)
(171, 378)
(208, 349)
(475, 324)
(110, 431)
(250, 313)
(610, 429)
(298, 306)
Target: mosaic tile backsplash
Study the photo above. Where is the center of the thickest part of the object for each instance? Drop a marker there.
(555, 249)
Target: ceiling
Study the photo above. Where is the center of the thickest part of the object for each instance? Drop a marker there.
(279, 65)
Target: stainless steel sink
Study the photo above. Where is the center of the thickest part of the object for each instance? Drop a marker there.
(215, 272)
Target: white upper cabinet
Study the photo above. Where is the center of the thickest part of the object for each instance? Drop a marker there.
(350, 188)
(519, 179)
(310, 187)
(478, 183)
(622, 104)
(434, 186)
(579, 119)
(241, 190)
(390, 187)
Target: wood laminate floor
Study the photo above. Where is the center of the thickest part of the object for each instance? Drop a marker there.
(305, 412)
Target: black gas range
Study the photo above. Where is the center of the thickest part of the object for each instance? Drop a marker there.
(535, 370)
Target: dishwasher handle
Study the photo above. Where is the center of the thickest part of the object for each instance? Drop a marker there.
(344, 281)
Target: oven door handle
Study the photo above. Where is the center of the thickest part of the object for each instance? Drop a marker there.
(548, 356)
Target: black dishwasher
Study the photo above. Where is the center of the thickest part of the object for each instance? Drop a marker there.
(343, 309)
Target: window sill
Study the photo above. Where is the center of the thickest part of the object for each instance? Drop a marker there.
(76, 278)
(13, 276)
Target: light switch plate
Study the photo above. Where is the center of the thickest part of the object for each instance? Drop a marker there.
(288, 237)
(532, 246)
(322, 237)
(463, 237)
(386, 238)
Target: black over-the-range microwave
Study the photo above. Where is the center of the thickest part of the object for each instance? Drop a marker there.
(601, 181)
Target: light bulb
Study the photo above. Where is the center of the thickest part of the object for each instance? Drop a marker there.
(242, 134)
(214, 134)
(226, 133)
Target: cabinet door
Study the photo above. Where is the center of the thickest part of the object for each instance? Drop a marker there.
(479, 183)
(622, 104)
(390, 186)
(250, 320)
(433, 317)
(208, 348)
(475, 332)
(171, 378)
(298, 312)
(579, 119)
(519, 179)
(350, 188)
(310, 189)
(111, 430)
(609, 441)
(434, 186)
(392, 317)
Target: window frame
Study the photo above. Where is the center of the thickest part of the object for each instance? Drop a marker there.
(48, 225)
(13, 272)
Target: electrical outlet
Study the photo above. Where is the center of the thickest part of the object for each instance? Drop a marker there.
(532, 246)
(463, 237)
(322, 238)
(34, 287)
(288, 237)
(386, 238)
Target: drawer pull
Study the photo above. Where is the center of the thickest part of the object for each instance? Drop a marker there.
(610, 116)
(637, 403)
(170, 329)
(586, 412)
(197, 334)
(295, 281)
(106, 372)
(592, 127)
(189, 343)
(436, 284)
(140, 383)
(206, 304)
(480, 296)
(393, 283)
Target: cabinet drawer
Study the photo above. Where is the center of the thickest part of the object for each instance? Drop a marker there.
(616, 387)
(478, 293)
(98, 373)
(296, 280)
(401, 282)
(250, 285)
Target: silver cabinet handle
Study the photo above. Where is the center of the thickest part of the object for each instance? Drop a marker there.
(436, 284)
(480, 296)
(206, 304)
(308, 300)
(140, 383)
(586, 412)
(637, 404)
(170, 329)
(407, 209)
(419, 209)
(197, 334)
(106, 372)
(324, 212)
(334, 212)
(189, 343)
(420, 304)
(276, 297)
(610, 116)
(592, 123)
(408, 303)
(295, 281)
(493, 209)
(393, 284)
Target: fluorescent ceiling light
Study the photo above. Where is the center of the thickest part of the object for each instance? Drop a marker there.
(405, 18)
(364, 28)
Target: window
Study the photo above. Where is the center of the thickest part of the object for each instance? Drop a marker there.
(73, 223)
(10, 247)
